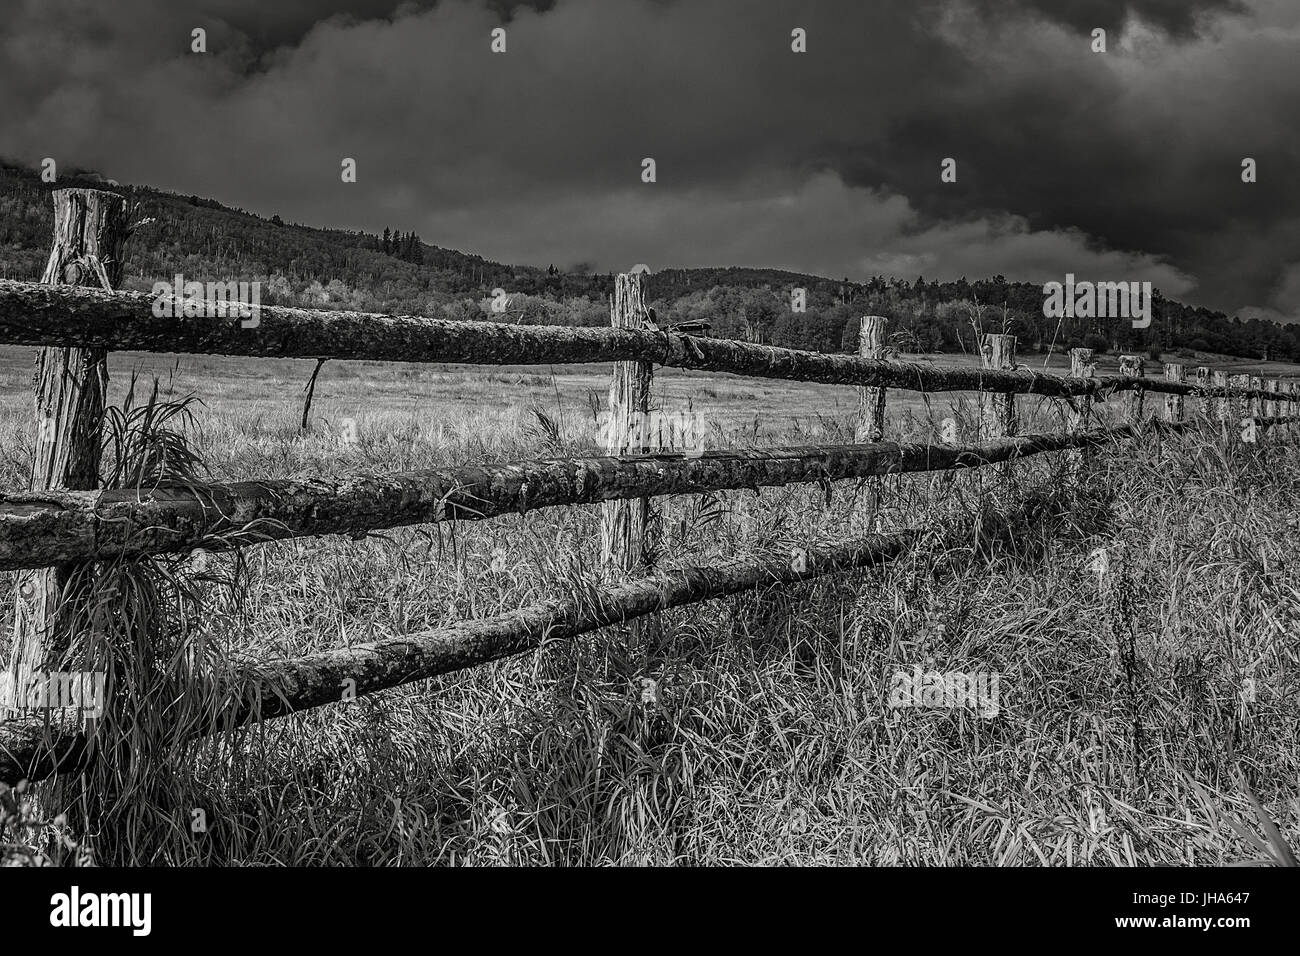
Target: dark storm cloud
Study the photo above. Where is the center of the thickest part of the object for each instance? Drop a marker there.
(1180, 18)
(1125, 164)
(270, 23)
(287, 21)
(1141, 147)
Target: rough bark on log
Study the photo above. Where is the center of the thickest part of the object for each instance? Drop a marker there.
(71, 386)
(625, 523)
(278, 688)
(871, 401)
(288, 686)
(105, 525)
(1272, 407)
(30, 751)
(1281, 407)
(1203, 382)
(32, 314)
(999, 352)
(317, 678)
(1132, 366)
(1223, 397)
(1174, 403)
(1081, 367)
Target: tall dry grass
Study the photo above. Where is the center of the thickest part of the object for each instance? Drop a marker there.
(756, 729)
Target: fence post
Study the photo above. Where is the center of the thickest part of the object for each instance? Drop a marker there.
(1273, 407)
(999, 352)
(1239, 405)
(1223, 404)
(1132, 366)
(1081, 366)
(625, 524)
(871, 400)
(1203, 381)
(1174, 403)
(71, 385)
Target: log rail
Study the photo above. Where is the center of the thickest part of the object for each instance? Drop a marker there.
(62, 523)
(58, 316)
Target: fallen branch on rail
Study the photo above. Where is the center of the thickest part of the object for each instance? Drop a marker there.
(33, 314)
(51, 527)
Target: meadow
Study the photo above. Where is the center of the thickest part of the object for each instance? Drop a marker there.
(1142, 712)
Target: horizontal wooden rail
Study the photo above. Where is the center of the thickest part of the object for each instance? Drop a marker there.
(52, 527)
(33, 750)
(41, 315)
(284, 687)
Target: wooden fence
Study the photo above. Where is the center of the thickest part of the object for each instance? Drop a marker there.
(65, 520)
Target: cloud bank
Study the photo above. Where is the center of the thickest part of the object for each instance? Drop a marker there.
(1122, 165)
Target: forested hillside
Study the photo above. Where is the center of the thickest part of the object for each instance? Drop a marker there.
(397, 272)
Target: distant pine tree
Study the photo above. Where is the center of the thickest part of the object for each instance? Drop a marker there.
(387, 243)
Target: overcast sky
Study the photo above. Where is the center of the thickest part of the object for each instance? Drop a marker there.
(1123, 165)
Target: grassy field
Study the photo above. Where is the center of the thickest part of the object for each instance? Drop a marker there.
(1137, 706)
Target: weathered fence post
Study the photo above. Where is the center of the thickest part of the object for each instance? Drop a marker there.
(1174, 403)
(1222, 403)
(1203, 382)
(1273, 406)
(626, 524)
(871, 401)
(1255, 404)
(1081, 366)
(71, 385)
(999, 352)
(871, 415)
(1238, 404)
(1132, 366)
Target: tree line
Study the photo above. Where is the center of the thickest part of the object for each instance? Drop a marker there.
(396, 272)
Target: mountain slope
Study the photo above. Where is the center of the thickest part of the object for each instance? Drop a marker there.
(330, 268)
